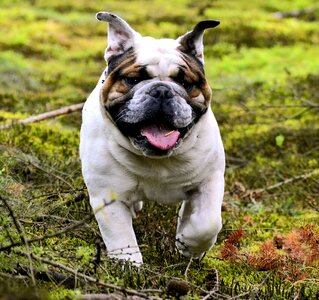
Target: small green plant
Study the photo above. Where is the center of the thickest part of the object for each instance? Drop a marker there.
(280, 140)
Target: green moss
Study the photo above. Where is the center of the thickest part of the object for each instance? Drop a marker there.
(61, 294)
(264, 72)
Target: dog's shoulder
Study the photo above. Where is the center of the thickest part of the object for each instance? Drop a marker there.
(93, 126)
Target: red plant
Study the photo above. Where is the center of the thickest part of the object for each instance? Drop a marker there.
(302, 244)
(299, 249)
(268, 257)
(231, 246)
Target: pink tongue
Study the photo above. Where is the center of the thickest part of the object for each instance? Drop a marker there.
(160, 137)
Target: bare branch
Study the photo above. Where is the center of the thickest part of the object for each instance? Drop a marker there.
(89, 278)
(187, 268)
(23, 238)
(47, 115)
(107, 297)
(54, 234)
(253, 193)
(287, 181)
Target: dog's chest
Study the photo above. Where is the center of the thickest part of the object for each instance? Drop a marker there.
(162, 193)
(165, 185)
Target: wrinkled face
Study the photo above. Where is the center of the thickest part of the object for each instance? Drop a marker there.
(155, 93)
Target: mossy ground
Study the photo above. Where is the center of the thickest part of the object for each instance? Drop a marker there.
(264, 71)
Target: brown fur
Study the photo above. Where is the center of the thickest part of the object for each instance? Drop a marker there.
(194, 73)
(114, 81)
(116, 86)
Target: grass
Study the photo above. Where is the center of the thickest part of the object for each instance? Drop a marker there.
(264, 74)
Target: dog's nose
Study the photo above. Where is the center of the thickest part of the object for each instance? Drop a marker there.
(161, 93)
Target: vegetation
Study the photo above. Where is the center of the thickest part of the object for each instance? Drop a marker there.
(263, 65)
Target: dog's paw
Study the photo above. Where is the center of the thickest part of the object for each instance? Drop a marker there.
(131, 255)
(193, 248)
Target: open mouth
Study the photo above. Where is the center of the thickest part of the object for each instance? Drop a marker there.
(157, 138)
(160, 136)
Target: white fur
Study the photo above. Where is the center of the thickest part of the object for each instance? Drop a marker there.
(193, 173)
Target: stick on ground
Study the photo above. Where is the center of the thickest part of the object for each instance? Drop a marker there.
(47, 115)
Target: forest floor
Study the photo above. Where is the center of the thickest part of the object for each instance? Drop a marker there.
(263, 65)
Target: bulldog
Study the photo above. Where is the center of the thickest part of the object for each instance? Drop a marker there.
(149, 134)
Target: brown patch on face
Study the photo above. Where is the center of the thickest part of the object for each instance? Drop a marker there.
(193, 73)
(115, 86)
(207, 93)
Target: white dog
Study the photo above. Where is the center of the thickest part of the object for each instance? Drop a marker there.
(148, 133)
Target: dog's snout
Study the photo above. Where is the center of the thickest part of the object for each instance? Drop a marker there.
(161, 93)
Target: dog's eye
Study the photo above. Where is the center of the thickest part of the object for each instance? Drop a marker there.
(131, 81)
(180, 79)
(187, 85)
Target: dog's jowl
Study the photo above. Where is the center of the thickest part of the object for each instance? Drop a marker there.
(149, 134)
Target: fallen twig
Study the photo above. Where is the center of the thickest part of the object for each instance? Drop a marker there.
(255, 289)
(258, 192)
(101, 297)
(284, 182)
(51, 235)
(89, 278)
(5, 275)
(54, 234)
(187, 268)
(23, 238)
(107, 297)
(47, 115)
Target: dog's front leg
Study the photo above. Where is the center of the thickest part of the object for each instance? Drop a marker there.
(199, 219)
(115, 223)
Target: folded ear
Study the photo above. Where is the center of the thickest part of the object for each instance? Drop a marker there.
(121, 36)
(192, 42)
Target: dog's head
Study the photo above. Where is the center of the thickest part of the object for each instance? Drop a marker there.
(155, 90)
